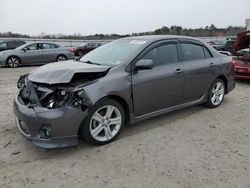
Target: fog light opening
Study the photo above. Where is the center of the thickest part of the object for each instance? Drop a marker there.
(45, 132)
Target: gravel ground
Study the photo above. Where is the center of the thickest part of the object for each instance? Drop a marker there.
(194, 147)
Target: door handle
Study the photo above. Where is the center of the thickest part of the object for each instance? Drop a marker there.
(211, 65)
(178, 71)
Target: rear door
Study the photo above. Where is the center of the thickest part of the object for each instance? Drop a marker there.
(199, 69)
(162, 86)
(49, 52)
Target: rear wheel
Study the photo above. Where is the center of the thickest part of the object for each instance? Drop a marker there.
(61, 58)
(104, 122)
(13, 62)
(216, 94)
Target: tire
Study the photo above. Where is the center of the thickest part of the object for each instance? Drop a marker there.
(61, 58)
(13, 62)
(216, 94)
(98, 128)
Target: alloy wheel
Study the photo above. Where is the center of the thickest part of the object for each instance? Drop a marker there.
(105, 123)
(13, 62)
(218, 92)
(61, 58)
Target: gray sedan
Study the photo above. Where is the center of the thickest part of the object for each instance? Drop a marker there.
(125, 81)
(35, 53)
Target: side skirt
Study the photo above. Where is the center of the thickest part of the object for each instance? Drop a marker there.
(135, 119)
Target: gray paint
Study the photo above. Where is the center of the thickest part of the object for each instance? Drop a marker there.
(39, 56)
(147, 93)
(62, 72)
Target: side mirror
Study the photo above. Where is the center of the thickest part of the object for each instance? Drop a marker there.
(24, 49)
(144, 64)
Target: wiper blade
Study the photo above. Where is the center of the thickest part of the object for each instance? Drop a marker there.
(90, 62)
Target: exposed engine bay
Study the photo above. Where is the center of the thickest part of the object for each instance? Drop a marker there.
(57, 95)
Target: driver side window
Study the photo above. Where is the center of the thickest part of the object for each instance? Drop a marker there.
(162, 55)
(32, 47)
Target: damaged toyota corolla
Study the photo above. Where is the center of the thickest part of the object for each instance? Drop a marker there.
(121, 82)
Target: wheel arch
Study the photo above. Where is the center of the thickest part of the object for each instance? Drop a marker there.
(117, 98)
(122, 102)
(224, 79)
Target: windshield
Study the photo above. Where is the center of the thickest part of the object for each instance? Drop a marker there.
(113, 53)
(83, 44)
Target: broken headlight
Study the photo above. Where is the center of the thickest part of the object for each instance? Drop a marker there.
(21, 81)
(61, 98)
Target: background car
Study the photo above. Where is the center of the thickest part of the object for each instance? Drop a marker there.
(242, 68)
(10, 44)
(241, 62)
(85, 48)
(35, 53)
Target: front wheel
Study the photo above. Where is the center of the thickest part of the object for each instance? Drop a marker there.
(13, 62)
(216, 94)
(104, 122)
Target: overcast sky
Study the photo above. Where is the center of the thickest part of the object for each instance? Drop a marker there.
(117, 16)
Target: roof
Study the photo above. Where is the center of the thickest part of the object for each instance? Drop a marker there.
(160, 37)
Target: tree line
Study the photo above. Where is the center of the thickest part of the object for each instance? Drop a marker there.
(208, 31)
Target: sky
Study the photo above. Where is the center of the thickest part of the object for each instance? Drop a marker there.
(86, 17)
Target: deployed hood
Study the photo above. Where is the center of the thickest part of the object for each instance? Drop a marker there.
(63, 72)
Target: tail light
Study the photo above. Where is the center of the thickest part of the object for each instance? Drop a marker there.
(72, 50)
(234, 62)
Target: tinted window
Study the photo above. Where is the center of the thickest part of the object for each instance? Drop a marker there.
(207, 53)
(192, 51)
(32, 47)
(12, 44)
(21, 42)
(164, 54)
(3, 45)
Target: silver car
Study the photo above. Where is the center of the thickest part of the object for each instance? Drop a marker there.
(35, 53)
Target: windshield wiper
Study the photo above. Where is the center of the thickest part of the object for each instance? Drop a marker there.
(90, 62)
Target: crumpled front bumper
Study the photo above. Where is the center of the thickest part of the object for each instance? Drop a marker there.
(62, 123)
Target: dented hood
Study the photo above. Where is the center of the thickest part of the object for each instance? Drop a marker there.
(63, 72)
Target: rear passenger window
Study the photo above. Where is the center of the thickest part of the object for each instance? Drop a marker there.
(49, 46)
(192, 51)
(3, 45)
(164, 54)
(12, 44)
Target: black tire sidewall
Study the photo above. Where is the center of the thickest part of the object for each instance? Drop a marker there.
(85, 130)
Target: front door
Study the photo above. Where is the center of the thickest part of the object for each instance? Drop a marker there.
(32, 54)
(162, 86)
